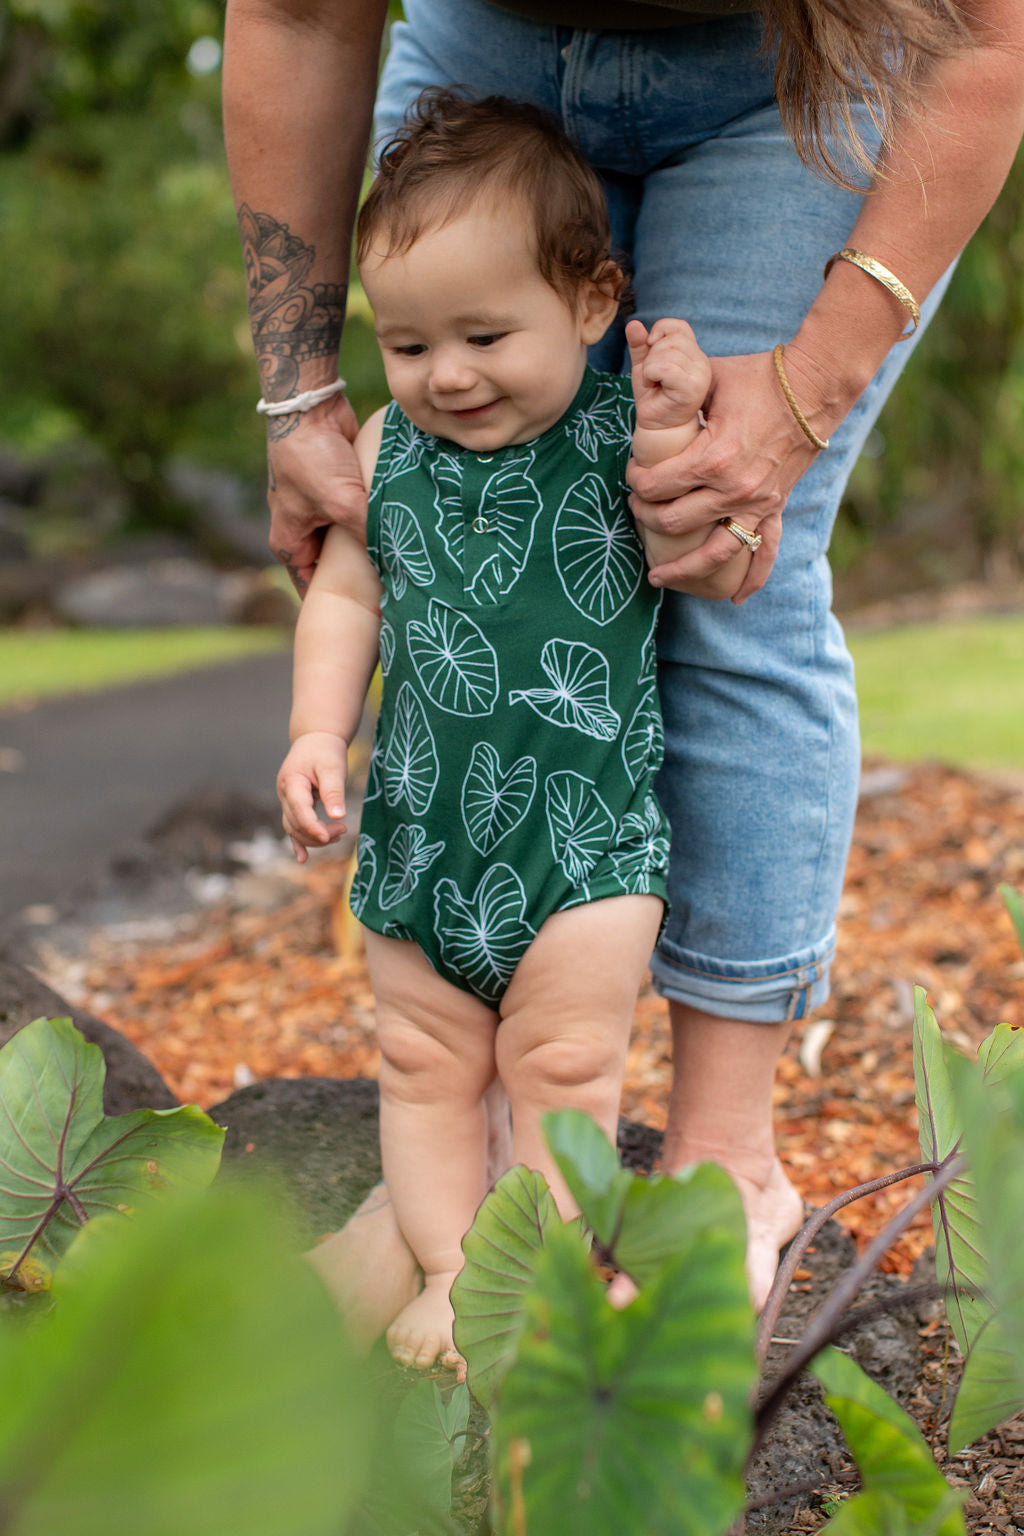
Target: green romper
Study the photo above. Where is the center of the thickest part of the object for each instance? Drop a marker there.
(519, 730)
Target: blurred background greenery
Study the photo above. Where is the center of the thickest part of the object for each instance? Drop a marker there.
(124, 344)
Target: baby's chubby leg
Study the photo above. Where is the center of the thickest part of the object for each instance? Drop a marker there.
(566, 1021)
(437, 1049)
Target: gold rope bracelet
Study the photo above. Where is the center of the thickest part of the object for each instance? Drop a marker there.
(812, 437)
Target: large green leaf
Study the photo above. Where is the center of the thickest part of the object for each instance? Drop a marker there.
(1015, 906)
(63, 1160)
(191, 1378)
(590, 1167)
(664, 1216)
(501, 1248)
(429, 1431)
(631, 1423)
(993, 1112)
(896, 1464)
(959, 1252)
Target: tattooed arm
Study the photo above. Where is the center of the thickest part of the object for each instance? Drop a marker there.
(299, 80)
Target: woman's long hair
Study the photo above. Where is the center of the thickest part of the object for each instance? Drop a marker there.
(833, 54)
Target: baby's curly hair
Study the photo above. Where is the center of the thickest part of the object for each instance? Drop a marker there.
(453, 150)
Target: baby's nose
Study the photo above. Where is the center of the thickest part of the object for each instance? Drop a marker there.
(450, 372)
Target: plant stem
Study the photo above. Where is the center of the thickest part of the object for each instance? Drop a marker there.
(802, 1241)
(823, 1324)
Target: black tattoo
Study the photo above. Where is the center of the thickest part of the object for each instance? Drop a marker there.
(298, 582)
(292, 321)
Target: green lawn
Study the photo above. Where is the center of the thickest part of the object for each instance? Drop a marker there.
(954, 692)
(37, 663)
(949, 691)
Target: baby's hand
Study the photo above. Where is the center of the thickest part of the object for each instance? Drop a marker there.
(671, 375)
(315, 768)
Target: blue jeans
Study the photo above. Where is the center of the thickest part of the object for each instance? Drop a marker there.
(725, 227)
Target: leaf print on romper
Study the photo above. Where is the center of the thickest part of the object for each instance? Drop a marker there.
(410, 758)
(366, 873)
(403, 553)
(483, 937)
(456, 663)
(643, 744)
(511, 504)
(494, 802)
(409, 854)
(643, 848)
(598, 557)
(580, 824)
(608, 419)
(406, 445)
(578, 696)
(386, 647)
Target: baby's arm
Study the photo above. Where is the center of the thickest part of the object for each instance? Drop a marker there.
(671, 377)
(336, 640)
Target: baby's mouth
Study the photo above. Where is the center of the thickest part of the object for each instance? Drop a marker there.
(473, 411)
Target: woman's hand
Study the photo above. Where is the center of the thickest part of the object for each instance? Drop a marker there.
(742, 467)
(313, 480)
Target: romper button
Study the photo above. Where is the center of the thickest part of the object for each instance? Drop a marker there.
(481, 525)
(484, 458)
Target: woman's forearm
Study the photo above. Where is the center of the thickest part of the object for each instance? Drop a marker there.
(935, 186)
(299, 80)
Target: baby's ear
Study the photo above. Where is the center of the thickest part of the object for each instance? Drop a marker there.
(599, 302)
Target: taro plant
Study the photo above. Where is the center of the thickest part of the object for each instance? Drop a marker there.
(64, 1161)
(642, 1420)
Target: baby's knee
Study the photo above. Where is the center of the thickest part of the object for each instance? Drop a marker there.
(564, 1068)
(416, 1063)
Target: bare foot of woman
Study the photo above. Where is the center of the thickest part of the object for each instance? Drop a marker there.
(369, 1269)
(774, 1213)
(422, 1331)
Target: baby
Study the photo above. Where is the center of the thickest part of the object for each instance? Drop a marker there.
(512, 853)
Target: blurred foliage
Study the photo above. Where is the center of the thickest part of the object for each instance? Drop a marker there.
(122, 314)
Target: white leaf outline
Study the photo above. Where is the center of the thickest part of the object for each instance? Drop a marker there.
(386, 647)
(483, 937)
(366, 873)
(643, 741)
(580, 825)
(494, 801)
(446, 474)
(407, 445)
(454, 660)
(643, 848)
(374, 774)
(578, 699)
(409, 855)
(403, 552)
(411, 767)
(598, 556)
(511, 503)
(607, 419)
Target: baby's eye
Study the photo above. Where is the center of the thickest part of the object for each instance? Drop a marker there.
(486, 340)
(415, 349)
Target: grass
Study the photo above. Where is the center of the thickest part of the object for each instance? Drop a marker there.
(953, 692)
(36, 664)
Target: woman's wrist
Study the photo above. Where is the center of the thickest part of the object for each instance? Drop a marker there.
(841, 343)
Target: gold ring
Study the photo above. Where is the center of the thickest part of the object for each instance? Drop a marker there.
(750, 540)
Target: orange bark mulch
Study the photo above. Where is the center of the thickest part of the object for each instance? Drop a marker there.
(280, 988)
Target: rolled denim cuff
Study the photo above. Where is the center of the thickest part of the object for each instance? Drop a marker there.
(757, 992)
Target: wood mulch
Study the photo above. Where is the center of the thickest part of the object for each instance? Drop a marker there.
(273, 984)
(277, 986)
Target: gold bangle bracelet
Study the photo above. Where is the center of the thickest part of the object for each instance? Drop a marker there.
(887, 279)
(801, 420)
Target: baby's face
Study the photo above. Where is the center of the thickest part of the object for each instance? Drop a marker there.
(477, 347)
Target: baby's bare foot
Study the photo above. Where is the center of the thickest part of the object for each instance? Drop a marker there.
(422, 1331)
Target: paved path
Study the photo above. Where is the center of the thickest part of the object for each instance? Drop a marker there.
(82, 776)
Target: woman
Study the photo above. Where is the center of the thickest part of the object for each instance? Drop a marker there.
(735, 174)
